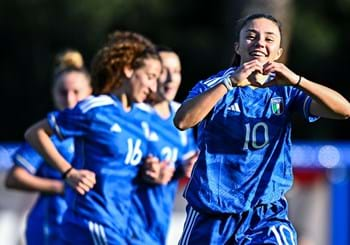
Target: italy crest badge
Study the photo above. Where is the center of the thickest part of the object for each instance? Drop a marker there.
(277, 105)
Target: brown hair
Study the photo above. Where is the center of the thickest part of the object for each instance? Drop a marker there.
(123, 48)
(236, 59)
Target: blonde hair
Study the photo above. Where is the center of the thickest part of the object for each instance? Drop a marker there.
(69, 60)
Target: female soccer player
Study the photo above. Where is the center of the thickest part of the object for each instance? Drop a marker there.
(110, 137)
(236, 192)
(31, 173)
(153, 200)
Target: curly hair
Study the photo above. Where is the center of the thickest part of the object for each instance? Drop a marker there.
(123, 48)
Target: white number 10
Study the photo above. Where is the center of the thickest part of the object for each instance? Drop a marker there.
(280, 234)
(251, 137)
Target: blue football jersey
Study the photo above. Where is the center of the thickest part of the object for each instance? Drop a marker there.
(45, 217)
(110, 142)
(153, 203)
(6, 154)
(244, 144)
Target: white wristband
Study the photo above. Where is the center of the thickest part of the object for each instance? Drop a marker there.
(228, 83)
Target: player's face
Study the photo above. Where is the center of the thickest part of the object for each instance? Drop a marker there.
(70, 88)
(170, 79)
(143, 80)
(260, 39)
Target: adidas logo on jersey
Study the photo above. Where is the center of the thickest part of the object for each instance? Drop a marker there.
(152, 136)
(115, 128)
(234, 107)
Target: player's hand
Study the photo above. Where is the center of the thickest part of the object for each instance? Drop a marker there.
(157, 172)
(188, 165)
(58, 186)
(283, 75)
(244, 75)
(151, 169)
(166, 173)
(81, 181)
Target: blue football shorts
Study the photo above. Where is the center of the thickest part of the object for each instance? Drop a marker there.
(263, 224)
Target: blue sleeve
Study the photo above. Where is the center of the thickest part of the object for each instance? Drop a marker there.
(301, 104)
(6, 155)
(204, 85)
(199, 88)
(27, 158)
(68, 123)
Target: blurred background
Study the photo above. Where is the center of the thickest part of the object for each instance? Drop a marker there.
(316, 43)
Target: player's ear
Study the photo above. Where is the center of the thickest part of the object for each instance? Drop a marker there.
(128, 71)
(236, 47)
(279, 53)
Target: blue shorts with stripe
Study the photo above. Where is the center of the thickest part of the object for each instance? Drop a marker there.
(77, 230)
(263, 224)
(38, 233)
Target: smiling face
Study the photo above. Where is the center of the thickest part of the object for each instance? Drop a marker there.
(259, 39)
(143, 80)
(170, 79)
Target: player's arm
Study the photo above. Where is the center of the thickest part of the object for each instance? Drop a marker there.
(20, 179)
(326, 102)
(192, 111)
(38, 136)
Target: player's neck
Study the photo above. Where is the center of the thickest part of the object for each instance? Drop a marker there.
(162, 108)
(124, 100)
